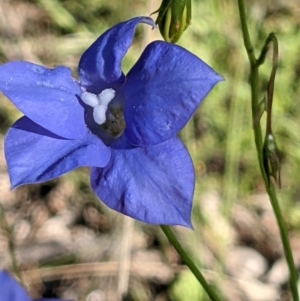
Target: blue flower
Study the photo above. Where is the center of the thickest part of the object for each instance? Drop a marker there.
(10, 290)
(123, 127)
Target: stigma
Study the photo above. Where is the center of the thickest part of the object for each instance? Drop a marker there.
(99, 103)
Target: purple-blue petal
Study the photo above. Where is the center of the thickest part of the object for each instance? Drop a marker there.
(49, 97)
(153, 185)
(10, 290)
(162, 92)
(35, 155)
(100, 65)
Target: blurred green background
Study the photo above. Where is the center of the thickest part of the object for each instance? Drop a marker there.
(219, 136)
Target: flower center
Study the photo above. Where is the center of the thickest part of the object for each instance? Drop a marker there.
(108, 116)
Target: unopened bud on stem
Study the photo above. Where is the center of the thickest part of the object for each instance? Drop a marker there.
(271, 159)
(174, 17)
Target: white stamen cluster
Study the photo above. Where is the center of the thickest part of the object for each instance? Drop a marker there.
(99, 103)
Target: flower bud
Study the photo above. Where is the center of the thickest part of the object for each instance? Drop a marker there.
(174, 17)
(271, 159)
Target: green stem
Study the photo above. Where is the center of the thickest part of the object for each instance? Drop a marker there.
(245, 31)
(285, 242)
(254, 82)
(271, 39)
(189, 262)
(11, 243)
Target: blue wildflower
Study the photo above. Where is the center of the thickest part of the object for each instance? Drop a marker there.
(10, 290)
(124, 128)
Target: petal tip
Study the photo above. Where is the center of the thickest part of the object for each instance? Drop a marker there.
(186, 223)
(14, 184)
(149, 21)
(220, 78)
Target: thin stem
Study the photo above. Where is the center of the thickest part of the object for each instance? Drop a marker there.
(254, 82)
(11, 243)
(189, 262)
(245, 31)
(272, 38)
(286, 244)
(265, 49)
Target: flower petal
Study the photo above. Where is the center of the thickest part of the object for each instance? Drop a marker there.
(154, 185)
(162, 91)
(100, 65)
(10, 289)
(35, 155)
(46, 96)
